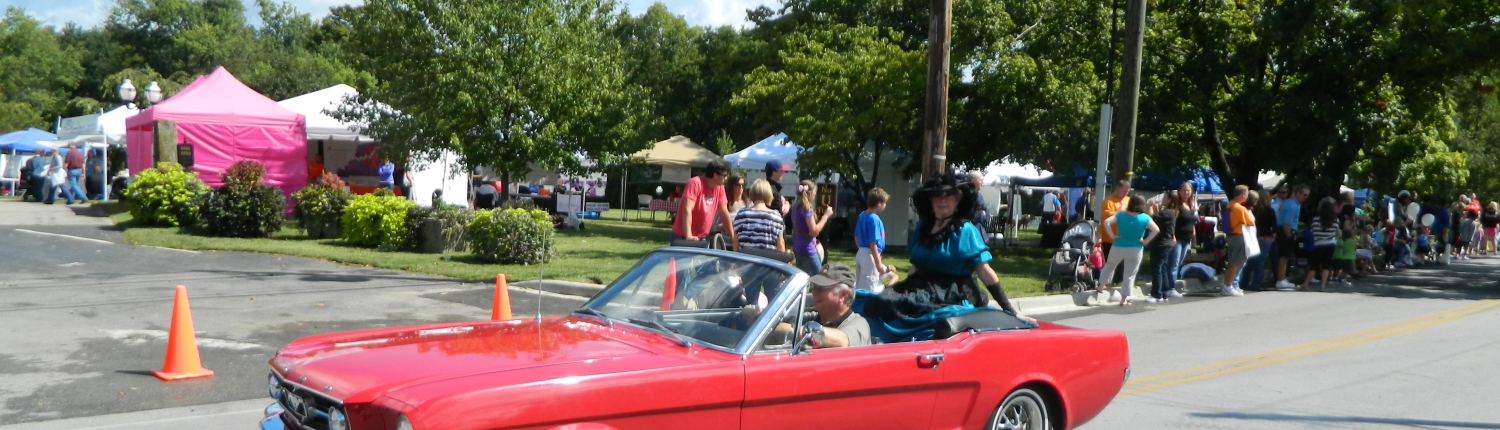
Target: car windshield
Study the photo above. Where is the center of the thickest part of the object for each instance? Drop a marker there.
(714, 299)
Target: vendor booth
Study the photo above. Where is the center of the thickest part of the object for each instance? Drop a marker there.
(98, 132)
(219, 121)
(352, 156)
(676, 157)
(15, 148)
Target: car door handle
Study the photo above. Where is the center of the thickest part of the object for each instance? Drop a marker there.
(931, 361)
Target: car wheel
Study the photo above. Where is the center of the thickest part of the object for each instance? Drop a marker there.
(1023, 409)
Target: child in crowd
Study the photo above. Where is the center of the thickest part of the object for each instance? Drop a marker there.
(1344, 254)
(1424, 245)
(1369, 251)
(1397, 236)
(1466, 231)
(869, 233)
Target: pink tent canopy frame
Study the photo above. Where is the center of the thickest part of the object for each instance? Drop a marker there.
(225, 121)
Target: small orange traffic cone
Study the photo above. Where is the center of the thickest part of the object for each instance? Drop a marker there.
(182, 344)
(669, 291)
(501, 309)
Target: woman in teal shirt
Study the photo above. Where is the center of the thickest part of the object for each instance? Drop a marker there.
(946, 251)
(1134, 226)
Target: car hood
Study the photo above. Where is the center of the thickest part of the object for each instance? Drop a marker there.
(356, 366)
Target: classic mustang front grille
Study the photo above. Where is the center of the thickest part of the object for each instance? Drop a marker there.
(304, 410)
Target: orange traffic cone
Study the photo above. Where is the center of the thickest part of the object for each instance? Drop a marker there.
(669, 291)
(501, 310)
(182, 344)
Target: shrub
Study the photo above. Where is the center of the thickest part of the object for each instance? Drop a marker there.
(245, 172)
(455, 222)
(243, 210)
(511, 236)
(371, 220)
(164, 195)
(320, 206)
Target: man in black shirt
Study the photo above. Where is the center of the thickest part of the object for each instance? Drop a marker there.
(774, 171)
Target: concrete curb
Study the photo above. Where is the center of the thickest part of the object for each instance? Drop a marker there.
(579, 289)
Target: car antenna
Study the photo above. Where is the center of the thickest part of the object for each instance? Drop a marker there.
(541, 280)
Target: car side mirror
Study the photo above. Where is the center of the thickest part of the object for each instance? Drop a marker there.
(812, 338)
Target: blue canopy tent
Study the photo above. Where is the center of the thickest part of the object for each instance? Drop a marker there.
(25, 141)
(1204, 180)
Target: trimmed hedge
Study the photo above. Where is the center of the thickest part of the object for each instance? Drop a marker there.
(512, 236)
(455, 225)
(376, 220)
(165, 195)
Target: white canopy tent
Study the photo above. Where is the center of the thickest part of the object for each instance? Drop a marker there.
(340, 142)
(316, 104)
(106, 127)
(776, 147)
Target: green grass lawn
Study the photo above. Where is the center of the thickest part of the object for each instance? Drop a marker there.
(598, 254)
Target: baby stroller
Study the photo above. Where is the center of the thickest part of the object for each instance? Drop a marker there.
(1070, 264)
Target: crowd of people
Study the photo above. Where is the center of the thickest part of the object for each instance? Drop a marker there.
(1259, 237)
(69, 173)
(947, 250)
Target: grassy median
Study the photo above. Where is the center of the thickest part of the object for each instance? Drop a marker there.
(597, 254)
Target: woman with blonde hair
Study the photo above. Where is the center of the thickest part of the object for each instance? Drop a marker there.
(760, 227)
(806, 226)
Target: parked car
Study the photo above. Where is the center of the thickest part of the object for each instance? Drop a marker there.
(703, 356)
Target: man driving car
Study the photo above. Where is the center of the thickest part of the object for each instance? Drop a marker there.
(833, 294)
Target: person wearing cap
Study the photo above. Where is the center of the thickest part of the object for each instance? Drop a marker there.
(833, 300)
(774, 171)
(946, 251)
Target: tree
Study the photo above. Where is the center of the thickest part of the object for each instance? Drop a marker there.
(840, 91)
(504, 84)
(36, 73)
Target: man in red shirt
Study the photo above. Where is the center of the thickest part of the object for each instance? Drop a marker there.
(702, 199)
(74, 164)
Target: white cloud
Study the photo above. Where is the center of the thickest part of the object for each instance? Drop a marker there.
(89, 13)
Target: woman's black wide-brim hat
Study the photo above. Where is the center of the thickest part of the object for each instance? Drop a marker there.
(941, 185)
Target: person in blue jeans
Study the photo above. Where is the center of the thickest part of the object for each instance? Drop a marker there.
(74, 163)
(1186, 233)
(1164, 249)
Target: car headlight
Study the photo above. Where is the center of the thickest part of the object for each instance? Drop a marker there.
(402, 423)
(337, 420)
(273, 386)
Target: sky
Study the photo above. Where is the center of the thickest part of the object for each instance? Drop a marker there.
(92, 12)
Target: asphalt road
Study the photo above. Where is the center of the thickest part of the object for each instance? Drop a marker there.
(1415, 349)
(85, 317)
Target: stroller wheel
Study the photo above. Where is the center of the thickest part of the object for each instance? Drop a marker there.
(1078, 287)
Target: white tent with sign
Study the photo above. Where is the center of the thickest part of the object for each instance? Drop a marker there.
(107, 127)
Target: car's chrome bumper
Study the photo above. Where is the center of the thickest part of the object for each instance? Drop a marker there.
(272, 421)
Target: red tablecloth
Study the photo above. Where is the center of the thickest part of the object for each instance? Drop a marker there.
(663, 205)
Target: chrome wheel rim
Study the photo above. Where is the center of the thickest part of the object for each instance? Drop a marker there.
(1021, 412)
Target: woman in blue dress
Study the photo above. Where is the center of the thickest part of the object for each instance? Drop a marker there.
(946, 251)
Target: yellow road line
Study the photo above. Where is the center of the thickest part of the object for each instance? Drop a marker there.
(1312, 348)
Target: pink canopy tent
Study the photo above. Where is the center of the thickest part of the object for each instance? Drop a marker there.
(225, 121)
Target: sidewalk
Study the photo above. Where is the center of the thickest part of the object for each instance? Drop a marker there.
(17, 213)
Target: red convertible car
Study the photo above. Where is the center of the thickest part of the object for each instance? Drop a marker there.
(700, 355)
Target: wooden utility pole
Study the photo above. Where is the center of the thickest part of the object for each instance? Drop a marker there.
(935, 125)
(1130, 90)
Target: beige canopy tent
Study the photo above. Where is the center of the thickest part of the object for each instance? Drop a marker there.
(677, 157)
(677, 151)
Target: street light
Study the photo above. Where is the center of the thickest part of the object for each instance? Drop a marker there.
(153, 92)
(127, 92)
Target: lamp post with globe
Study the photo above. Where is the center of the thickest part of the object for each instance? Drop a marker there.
(128, 92)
